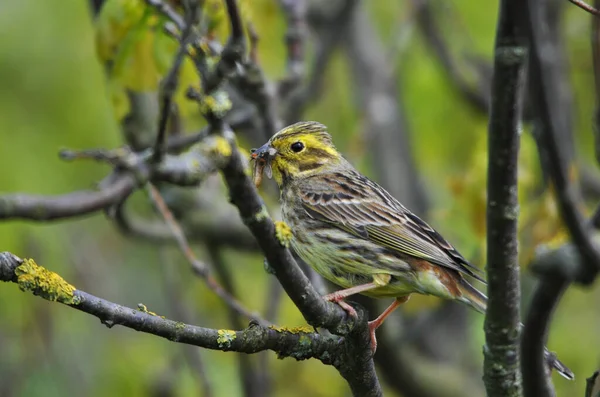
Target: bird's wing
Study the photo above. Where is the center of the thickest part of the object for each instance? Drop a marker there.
(363, 208)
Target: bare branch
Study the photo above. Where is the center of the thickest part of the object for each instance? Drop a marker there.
(502, 374)
(330, 31)
(47, 208)
(536, 369)
(546, 99)
(477, 97)
(584, 6)
(171, 80)
(554, 278)
(188, 169)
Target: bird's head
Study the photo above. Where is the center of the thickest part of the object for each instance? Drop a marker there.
(297, 151)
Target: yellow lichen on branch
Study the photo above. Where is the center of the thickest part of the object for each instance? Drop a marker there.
(45, 283)
(225, 337)
(293, 330)
(283, 233)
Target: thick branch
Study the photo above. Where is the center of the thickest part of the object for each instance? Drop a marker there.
(502, 323)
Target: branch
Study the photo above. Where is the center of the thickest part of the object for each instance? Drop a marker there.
(502, 375)
(355, 363)
(330, 32)
(199, 226)
(536, 372)
(198, 267)
(546, 97)
(477, 97)
(286, 343)
(584, 6)
(254, 376)
(174, 296)
(188, 169)
(47, 208)
(554, 278)
(295, 36)
(171, 80)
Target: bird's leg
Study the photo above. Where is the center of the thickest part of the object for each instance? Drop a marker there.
(373, 325)
(339, 296)
(379, 280)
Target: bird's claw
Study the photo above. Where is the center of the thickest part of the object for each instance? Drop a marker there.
(335, 298)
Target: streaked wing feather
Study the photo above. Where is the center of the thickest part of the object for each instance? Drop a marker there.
(378, 217)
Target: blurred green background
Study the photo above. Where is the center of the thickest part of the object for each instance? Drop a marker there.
(55, 93)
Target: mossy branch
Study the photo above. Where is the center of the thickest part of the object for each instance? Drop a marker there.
(300, 344)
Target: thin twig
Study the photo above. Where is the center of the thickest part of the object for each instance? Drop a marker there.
(330, 33)
(199, 226)
(584, 6)
(168, 11)
(199, 268)
(254, 382)
(170, 82)
(477, 97)
(295, 35)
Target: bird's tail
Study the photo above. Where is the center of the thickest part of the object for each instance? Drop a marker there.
(478, 301)
(472, 296)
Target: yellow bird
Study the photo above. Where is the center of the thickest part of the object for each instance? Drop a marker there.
(355, 234)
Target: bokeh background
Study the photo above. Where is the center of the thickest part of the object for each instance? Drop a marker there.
(401, 105)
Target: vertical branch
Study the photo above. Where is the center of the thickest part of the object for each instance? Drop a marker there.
(554, 279)
(502, 323)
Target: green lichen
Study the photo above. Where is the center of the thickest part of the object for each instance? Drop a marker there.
(283, 233)
(225, 337)
(45, 283)
(179, 325)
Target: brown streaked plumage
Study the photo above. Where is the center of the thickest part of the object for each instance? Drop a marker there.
(355, 234)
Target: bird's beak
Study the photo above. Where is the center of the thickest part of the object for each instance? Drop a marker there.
(262, 162)
(265, 152)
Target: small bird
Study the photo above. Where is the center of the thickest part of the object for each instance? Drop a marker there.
(355, 234)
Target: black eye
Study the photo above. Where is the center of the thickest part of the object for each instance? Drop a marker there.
(297, 147)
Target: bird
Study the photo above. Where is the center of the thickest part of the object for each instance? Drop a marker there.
(355, 234)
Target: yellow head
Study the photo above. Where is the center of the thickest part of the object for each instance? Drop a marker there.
(297, 151)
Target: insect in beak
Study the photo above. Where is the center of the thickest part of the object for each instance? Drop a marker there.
(262, 163)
